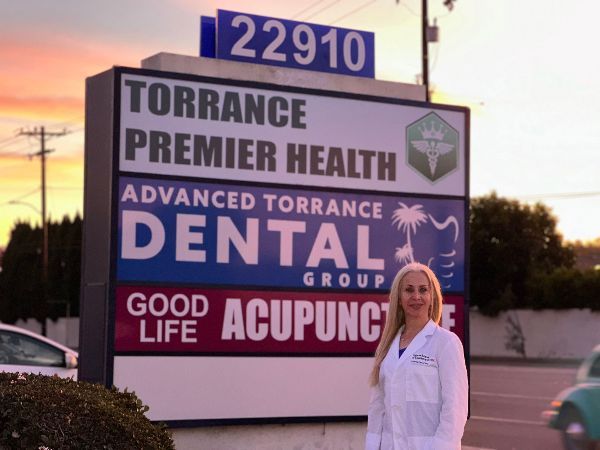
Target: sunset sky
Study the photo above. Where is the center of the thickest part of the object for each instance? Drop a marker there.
(526, 69)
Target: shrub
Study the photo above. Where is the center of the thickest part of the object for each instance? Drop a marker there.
(38, 411)
(564, 289)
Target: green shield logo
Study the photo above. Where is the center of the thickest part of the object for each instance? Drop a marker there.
(432, 147)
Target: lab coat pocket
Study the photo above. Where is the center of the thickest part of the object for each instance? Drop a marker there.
(422, 384)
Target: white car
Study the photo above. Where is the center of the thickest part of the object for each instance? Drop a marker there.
(24, 351)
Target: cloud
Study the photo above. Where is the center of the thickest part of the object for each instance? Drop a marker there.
(45, 80)
(41, 107)
(59, 64)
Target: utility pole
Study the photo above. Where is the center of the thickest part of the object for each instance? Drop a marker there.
(425, 47)
(43, 135)
(428, 34)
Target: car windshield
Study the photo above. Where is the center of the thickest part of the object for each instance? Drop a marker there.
(595, 368)
(20, 349)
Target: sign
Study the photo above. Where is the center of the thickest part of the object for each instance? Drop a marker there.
(288, 43)
(253, 233)
(203, 129)
(242, 322)
(183, 232)
(433, 146)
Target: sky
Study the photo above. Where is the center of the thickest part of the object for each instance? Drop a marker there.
(526, 69)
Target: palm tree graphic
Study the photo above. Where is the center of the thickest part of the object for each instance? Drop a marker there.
(407, 219)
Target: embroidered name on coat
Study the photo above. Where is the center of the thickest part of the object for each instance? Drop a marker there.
(423, 360)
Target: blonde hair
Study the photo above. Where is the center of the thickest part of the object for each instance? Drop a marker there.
(395, 315)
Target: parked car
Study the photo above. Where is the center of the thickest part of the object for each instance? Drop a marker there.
(24, 351)
(576, 410)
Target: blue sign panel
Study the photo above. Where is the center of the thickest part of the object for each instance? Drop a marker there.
(208, 34)
(223, 234)
(287, 43)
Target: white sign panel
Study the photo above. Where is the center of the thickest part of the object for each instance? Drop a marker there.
(204, 130)
(212, 388)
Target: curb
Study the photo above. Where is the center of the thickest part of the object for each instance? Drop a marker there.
(511, 361)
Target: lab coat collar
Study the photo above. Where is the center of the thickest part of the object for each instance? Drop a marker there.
(417, 342)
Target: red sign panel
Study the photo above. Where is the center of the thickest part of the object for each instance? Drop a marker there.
(241, 322)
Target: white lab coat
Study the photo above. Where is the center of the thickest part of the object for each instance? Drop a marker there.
(421, 400)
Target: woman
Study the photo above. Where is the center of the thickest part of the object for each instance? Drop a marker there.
(419, 382)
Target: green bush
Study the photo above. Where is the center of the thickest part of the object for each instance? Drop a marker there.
(564, 289)
(38, 411)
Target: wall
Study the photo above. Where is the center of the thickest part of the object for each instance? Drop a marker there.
(64, 330)
(545, 334)
(322, 436)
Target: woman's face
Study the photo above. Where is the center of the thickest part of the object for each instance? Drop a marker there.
(415, 296)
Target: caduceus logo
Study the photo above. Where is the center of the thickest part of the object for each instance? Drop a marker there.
(432, 147)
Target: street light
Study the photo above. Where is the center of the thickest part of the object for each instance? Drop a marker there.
(19, 202)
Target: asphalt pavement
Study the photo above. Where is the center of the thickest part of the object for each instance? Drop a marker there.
(507, 398)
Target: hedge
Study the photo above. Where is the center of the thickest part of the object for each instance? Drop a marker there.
(38, 411)
(564, 289)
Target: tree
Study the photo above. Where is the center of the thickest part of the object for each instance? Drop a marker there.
(64, 267)
(20, 280)
(509, 244)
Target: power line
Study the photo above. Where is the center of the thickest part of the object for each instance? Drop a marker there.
(65, 188)
(21, 197)
(10, 138)
(354, 11)
(27, 194)
(559, 195)
(307, 8)
(407, 8)
(18, 152)
(321, 10)
(7, 144)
